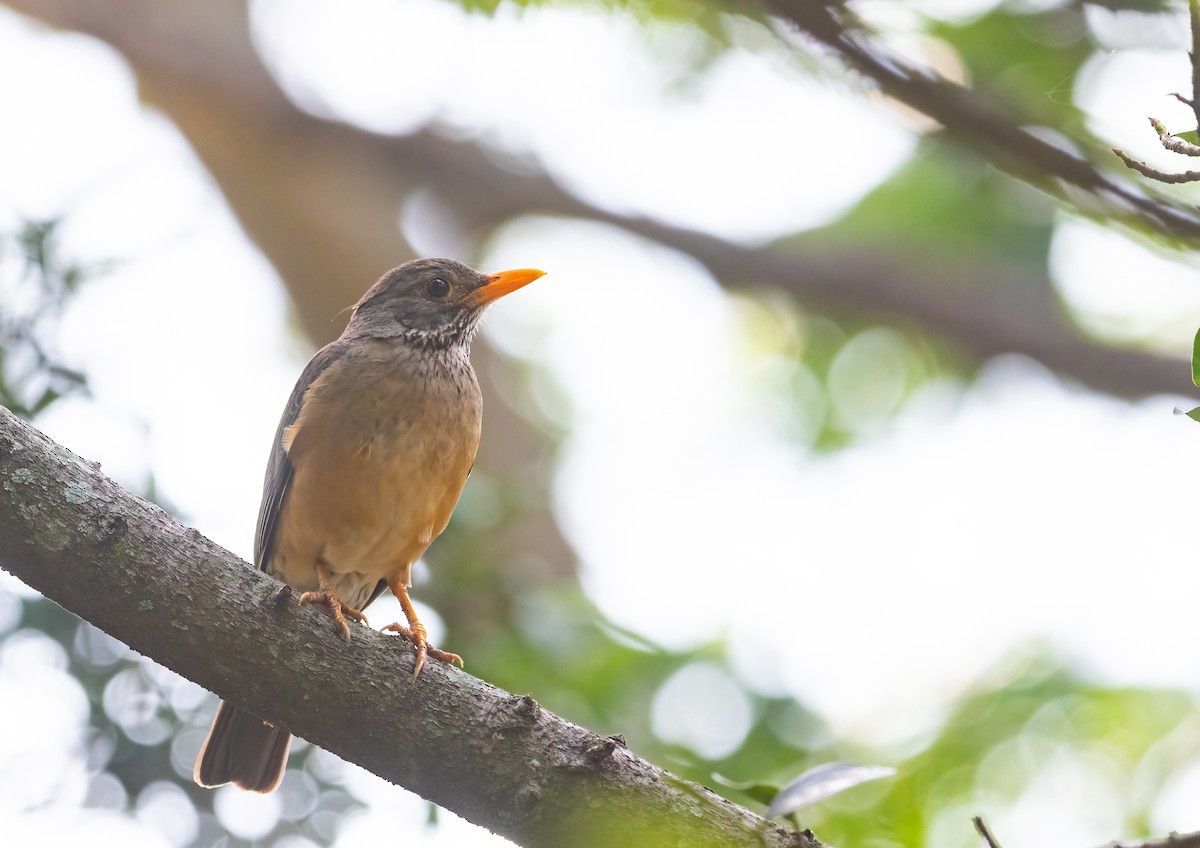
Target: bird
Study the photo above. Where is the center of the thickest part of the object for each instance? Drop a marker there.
(368, 461)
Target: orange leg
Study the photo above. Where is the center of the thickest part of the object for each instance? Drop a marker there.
(415, 631)
(326, 594)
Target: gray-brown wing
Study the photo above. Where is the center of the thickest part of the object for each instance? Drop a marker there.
(279, 467)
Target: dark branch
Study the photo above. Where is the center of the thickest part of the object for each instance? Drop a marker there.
(983, 129)
(982, 829)
(1194, 21)
(1174, 840)
(1155, 174)
(497, 759)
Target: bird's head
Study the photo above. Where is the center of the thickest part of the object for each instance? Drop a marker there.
(432, 302)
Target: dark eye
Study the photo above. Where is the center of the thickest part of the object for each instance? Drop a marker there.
(437, 288)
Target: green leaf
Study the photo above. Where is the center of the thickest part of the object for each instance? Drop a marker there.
(1194, 414)
(1196, 359)
(1191, 136)
(821, 782)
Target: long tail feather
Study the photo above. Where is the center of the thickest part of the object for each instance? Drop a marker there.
(243, 750)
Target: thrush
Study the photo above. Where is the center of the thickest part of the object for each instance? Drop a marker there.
(368, 462)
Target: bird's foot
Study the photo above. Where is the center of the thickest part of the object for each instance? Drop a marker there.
(341, 611)
(416, 634)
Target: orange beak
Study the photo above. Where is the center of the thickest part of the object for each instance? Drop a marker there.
(498, 285)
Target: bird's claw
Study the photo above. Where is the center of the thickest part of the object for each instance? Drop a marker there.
(416, 634)
(341, 611)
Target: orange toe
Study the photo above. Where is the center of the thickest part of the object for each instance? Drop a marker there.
(416, 635)
(341, 611)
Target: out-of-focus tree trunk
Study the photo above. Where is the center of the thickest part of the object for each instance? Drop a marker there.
(322, 198)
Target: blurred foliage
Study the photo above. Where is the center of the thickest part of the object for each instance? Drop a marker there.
(953, 204)
(1017, 51)
(824, 380)
(824, 383)
(705, 16)
(35, 282)
(830, 379)
(144, 724)
(1146, 6)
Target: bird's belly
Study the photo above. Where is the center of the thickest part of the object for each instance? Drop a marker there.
(369, 506)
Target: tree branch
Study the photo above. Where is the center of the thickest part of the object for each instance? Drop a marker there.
(279, 167)
(1167, 140)
(1194, 57)
(983, 129)
(496, 759)
(1173, 143)
(1174, 840)
(1155, 174)
(984, 832)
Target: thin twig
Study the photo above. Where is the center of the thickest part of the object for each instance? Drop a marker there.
(982, 829)
(1155, 174)
(1172, 142)
(975, 122)
(1171, 840)
(1194, 17)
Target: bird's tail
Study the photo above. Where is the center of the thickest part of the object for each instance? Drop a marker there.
(243, 750)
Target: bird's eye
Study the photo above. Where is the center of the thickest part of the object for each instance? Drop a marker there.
(437, 288)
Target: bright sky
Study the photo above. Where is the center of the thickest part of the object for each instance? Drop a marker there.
(1023, 509)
